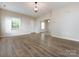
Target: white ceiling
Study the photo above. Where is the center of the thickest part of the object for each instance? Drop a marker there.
(27, 7)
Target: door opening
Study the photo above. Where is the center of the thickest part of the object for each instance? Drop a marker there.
(45, 26)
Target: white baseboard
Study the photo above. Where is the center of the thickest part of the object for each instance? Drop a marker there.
(16, 35)
(67, 38)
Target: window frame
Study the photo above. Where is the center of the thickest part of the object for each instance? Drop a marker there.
(17, 24)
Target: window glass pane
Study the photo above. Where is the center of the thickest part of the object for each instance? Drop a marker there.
(15, 23)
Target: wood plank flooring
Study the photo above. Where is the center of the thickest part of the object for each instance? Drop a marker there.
(37, 45)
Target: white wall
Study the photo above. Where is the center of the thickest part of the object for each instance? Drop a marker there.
(27, 24)
(38, 21)
(0, 23)
(65, 22)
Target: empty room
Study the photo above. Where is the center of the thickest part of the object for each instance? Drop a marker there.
(39, 29)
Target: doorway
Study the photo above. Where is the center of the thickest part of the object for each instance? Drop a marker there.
(45, 26)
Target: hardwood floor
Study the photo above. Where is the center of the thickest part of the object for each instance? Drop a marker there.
(37, 45)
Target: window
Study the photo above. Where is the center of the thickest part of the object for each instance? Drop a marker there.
(42, 25)
(15, 23)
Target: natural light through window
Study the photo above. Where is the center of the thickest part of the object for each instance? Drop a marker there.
(15, 23)
(42, 25)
